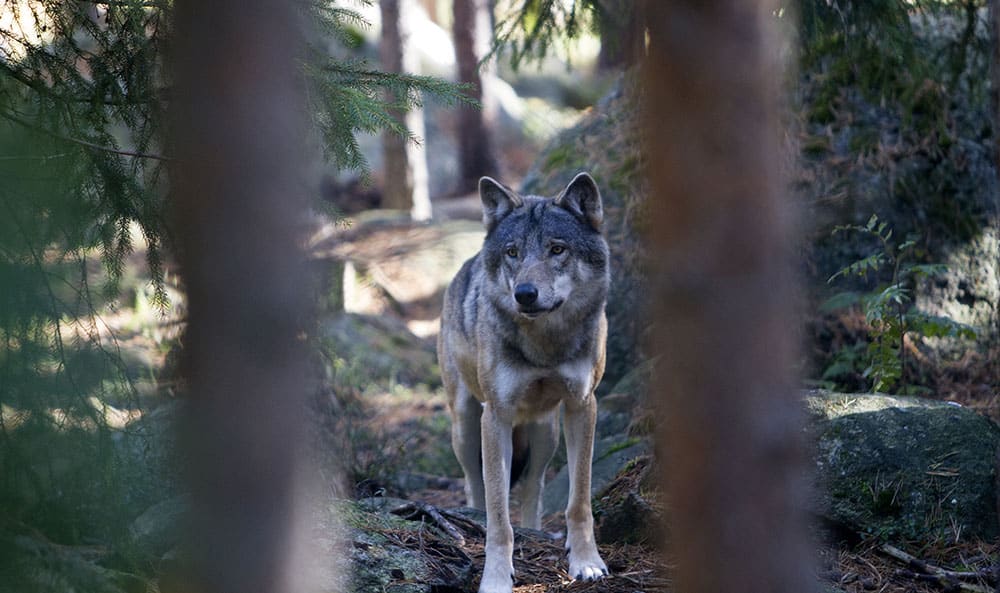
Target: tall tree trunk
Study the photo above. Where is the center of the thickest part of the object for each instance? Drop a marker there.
(405, 184)
(471, 31)
(723, 300)
(238, 202)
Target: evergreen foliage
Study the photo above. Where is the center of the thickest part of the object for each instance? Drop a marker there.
(530, 29)
(348, 96)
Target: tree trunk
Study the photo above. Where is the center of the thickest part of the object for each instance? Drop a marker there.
(724, 306)
(471, 33)
(405, 162)
(237, 124)
(622, 33)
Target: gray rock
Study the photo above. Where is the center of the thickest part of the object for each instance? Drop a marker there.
(622, 405)
(624, 512)
(611, 454)
(904, 466)
(158, 529)
(968, 291)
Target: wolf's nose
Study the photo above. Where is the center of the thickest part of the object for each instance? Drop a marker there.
(525, 294)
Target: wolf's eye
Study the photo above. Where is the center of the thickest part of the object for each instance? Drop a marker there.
(557, 249)
(512, 252)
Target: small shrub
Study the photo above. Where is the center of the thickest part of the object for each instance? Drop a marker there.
(887, 309)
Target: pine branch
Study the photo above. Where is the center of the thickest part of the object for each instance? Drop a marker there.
(84, 143)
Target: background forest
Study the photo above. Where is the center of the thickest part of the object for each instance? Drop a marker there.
(890, 160)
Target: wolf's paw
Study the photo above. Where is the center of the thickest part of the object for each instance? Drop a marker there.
(497, 578)
(586, 565)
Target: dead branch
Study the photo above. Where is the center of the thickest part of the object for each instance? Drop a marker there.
(414, 509)
(947, 579)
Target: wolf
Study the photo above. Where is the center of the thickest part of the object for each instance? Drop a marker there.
(523, 333)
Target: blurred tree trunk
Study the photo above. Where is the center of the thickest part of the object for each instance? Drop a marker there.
(238, 198)
(622, 29)
(471, 31)
(405, 162)
(724, 300)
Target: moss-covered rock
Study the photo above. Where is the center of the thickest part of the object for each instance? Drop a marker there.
(368, 350)
(904, 467)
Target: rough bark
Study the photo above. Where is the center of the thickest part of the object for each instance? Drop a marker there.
(238, 199)
(723, 296)
(405, 185)
(471, 33)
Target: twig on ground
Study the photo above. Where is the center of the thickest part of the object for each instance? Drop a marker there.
(948, 579)
(415, 508)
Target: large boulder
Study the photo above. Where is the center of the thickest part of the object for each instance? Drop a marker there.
(904, 467)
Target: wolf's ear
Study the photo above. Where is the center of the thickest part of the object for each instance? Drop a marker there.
(581, 197)
(498, 201)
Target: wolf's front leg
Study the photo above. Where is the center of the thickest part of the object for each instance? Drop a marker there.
(584, 560)
(498, 570)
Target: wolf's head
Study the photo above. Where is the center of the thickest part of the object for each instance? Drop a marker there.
(545, 254)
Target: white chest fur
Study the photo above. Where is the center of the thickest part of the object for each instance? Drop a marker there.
(531, 392)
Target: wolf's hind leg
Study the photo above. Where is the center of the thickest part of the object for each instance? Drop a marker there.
(466, 440)
(543, 438)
